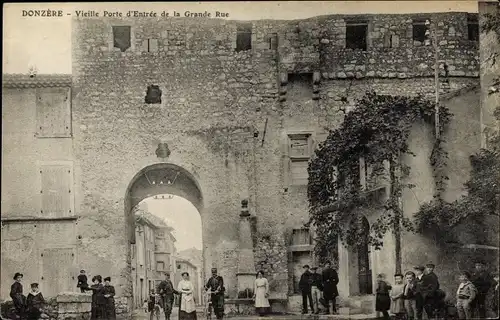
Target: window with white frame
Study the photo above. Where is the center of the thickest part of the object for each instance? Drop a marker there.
(299, 152)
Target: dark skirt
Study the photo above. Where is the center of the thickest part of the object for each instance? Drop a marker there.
(382, 302)
(110, 309)
(183, 315)
(262, 311)
(98, 311)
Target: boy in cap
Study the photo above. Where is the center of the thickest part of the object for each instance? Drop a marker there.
(465, 295)
(305, 285)
(316, 288)
(483, 281)
(34, 303)
(429, 288)
(419, 301)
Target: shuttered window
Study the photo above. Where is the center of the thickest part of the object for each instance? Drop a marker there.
(301, 237)
(57, 271)
(53, 109)
(299, 152)
(57, 190)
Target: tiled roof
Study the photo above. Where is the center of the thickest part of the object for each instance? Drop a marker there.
(16, 80)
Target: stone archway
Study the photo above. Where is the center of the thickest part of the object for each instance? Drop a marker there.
(157, 179)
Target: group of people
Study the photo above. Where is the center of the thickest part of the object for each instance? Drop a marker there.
(319, 288)
(103, 296)
(26, 307)
(164, 297)
(418, 291)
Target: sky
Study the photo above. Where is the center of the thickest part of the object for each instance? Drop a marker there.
(181, 215)
(45, 42)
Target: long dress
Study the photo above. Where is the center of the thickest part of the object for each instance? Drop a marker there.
(110, 302)
(382, 299)
(98, 309)
(18, 299)
(187, 304)
(261, 289)
(397, 303)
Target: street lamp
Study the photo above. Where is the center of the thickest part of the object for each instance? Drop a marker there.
(428, 34)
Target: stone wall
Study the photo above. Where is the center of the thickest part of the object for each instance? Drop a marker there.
(222, 119)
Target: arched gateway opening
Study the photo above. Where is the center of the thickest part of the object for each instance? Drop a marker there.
(157, 180)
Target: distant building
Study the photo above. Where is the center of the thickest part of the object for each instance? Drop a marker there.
(151, 254)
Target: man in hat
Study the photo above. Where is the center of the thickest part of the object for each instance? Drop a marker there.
(429, 288)
(216, 285)
(419, 301)
(483, 281)
(166, 291)
(330, 280)
(305, 285)
(316, 288)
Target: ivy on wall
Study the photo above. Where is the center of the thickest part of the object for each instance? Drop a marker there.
(377, 129)
(483, 187)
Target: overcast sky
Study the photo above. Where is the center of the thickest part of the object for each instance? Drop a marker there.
(181, 215)
(46, 42)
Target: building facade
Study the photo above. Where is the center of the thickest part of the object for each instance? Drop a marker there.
(151, 255)
(217, 111)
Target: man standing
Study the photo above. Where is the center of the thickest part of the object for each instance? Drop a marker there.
(305, 285)
(483, 281)
(330, 292)
(419, 301)
(316, 288)
(429, 288)
(166, 291)
(216, 285)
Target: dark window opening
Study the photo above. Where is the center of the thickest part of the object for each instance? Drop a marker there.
(121, 37)
(473, 28)
(153, 95)
(273, 41)
(356, 33)
(419, 30)
(244, 37)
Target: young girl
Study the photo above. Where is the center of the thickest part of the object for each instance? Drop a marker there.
(397, 303)
(382, 299)
(34, 303)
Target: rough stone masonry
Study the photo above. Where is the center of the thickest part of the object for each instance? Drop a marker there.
(233, 96)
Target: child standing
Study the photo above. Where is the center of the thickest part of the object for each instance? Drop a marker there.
(153, 305)
(410, 295)
(495, 295)
(82, 281)
(382, 299)
(465, 295)
(397, 301)
(34, 303)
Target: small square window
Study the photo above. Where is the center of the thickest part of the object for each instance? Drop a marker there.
(356, 34)
(472, 28)
(244, 37)
(419, 30)
(122, 37)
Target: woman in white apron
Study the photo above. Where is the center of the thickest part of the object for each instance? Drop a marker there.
(261, 294)
(187, 304)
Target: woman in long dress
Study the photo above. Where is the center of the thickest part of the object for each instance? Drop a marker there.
(187, 304)
(261, 294)
(109, 295)
(98, 308)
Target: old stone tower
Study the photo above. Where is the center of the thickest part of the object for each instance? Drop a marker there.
(242, 107)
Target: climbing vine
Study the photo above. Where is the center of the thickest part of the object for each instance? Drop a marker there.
(483, 187)
(377, 130)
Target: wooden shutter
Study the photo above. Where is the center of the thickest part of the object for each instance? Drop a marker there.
(57, 271)
(53, 107)
(57, 190)
(299, 172)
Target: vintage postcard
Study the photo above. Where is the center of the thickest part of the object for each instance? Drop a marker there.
(295, 160)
